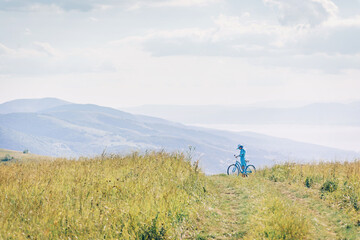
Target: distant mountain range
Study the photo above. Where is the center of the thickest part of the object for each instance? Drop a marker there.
(59, 128)
(314, 114)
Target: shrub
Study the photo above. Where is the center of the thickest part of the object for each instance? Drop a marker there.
(7, 158)
(355, 202)
(329, 186)
(308, 182)
(153, 231)
(26, 151)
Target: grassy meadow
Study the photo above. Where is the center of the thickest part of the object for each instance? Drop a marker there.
(287, 201)
(336, 183)
(152, 196)
(162, 195)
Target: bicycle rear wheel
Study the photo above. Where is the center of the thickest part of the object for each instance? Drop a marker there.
(250, 169)
(233, 170)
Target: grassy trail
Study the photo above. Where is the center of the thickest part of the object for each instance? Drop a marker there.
(228, 215)
(246, 209)
(328, 222)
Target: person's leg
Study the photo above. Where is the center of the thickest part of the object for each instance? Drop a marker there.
(243, 167)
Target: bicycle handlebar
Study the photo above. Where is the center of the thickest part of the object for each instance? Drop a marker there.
(238, 156)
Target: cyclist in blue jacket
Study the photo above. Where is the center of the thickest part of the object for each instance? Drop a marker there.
(242, 156)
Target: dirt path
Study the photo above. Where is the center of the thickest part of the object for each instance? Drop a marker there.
(229, 213)
(236, 203)
(328, 222)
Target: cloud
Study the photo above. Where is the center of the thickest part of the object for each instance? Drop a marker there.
(228, 32)
(46, 48)
(306, 12)
(262, 42)
(88, 5)
(171, 3)
(93, 19)
(5, 50)
(309, 28)
(58, 5)
(43, 59)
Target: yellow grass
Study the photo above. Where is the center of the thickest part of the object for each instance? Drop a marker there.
(157, 195)
(164, 196)
(20, 156)
(338, 183)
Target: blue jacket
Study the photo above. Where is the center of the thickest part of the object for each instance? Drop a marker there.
(242, 156)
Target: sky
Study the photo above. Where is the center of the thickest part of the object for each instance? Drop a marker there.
(186, 52)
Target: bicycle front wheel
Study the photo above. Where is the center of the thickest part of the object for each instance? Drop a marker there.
(233, 170)
(250, 169)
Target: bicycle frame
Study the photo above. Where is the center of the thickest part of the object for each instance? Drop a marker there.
(242, 171)
(236, 168)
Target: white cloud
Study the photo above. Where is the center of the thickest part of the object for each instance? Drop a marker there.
(245, 36)
(41, 7)
(47, 48)
(329, 6)
(304, 12)
(343, 22)
(171, 3)
(27, 31)
(43, 59)
(5, 50)
(209, 53)
(93, 19)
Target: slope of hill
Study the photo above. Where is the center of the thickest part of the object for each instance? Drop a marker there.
(165, 196)
(20, 156)
(312, 201)
(74, 130)
(102, 198)
(30, 105)
(319, 113)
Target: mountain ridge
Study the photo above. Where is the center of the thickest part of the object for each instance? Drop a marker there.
(30, 105)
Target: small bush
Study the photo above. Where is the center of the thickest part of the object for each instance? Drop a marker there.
(309, 182)
(153, 231)
(26, 151)
(329, 186)
(7, 158)
(355, 202)
(201, 237)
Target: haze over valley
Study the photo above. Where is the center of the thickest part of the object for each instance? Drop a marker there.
(329, 124)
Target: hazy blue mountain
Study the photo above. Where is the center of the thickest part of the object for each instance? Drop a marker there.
(319, 113)
(30, 105)
(86, 130)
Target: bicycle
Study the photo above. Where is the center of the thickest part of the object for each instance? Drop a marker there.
(235, 169)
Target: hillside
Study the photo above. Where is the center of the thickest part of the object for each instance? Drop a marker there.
(287, 202)
(20, 155)
(30, 105)
(101, 198)
(74, 130)
(164, 196)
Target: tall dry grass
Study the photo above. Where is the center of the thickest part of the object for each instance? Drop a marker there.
(337, 183)
(151, 196)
